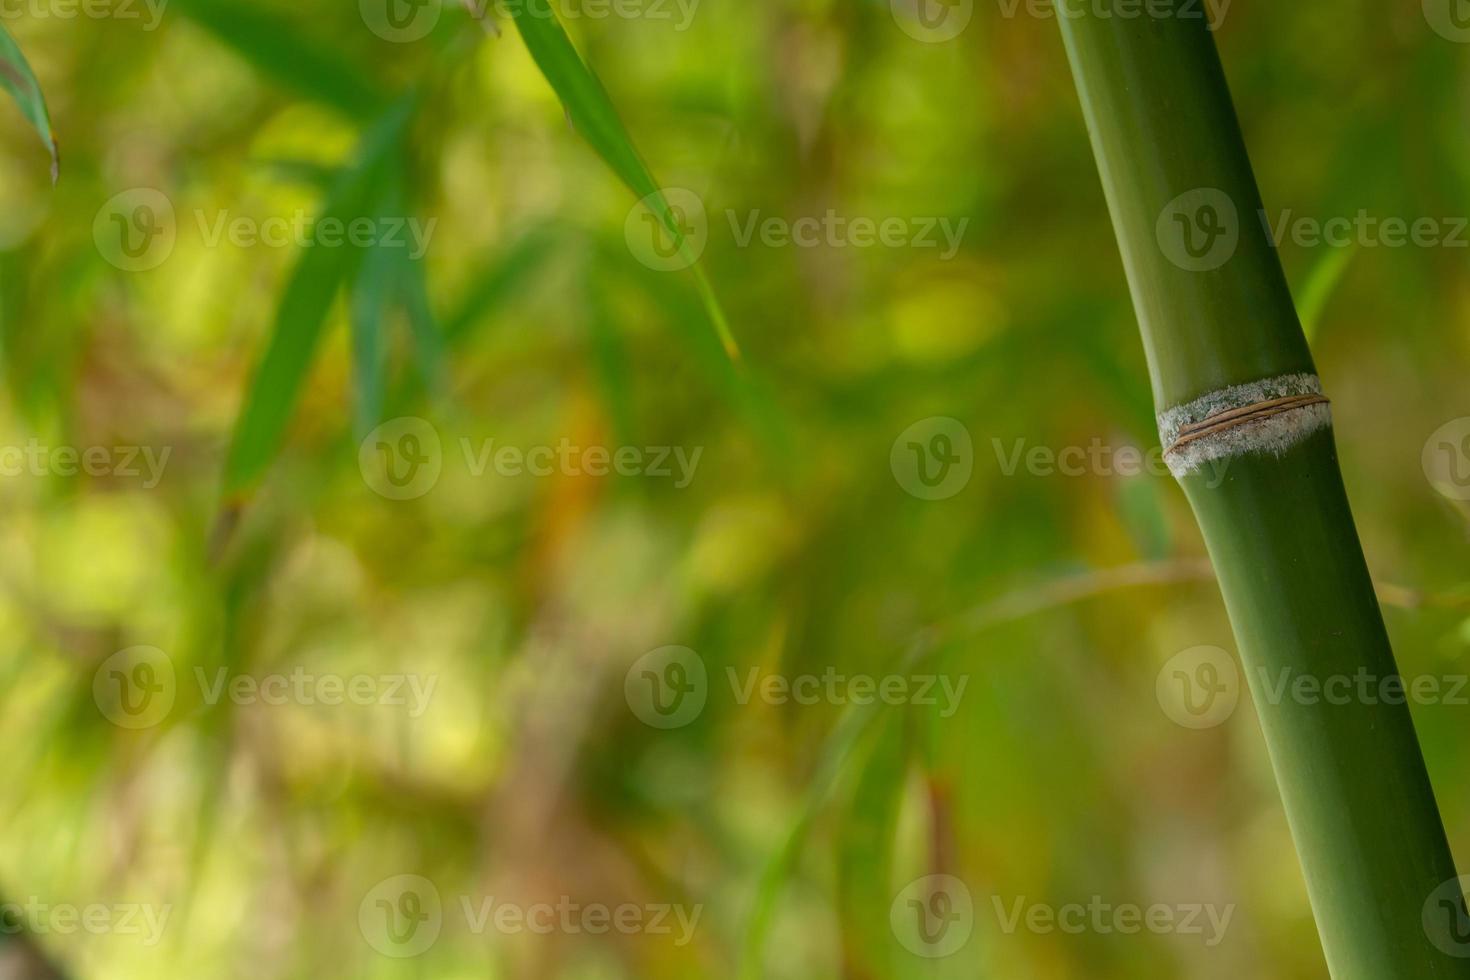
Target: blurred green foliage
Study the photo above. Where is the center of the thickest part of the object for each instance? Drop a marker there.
(795, 549)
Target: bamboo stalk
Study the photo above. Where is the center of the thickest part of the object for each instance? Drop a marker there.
(1232, 372)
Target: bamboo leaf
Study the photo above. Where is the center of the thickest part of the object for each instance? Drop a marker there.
(592, 113)
(866, 846)
(505, 273)
(372, 290)
(303, 311)
(277, 48)
(428, 336)
(1321, 283)
(855, 721)
(20, 81)
(609, 360)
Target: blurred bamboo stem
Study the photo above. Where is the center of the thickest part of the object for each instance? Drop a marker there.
(1222, 334)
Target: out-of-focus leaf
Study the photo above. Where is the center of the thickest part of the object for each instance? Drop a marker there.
(305, 172)
(835, 753)
(428, 337)
(741, 385)
(1141, 507)
(610, 361)
(505, 272)
(372, 291)
(276, 47)
(592, 113)
(303, 311)
(865, 845)
(1321, 283)
(18, 79)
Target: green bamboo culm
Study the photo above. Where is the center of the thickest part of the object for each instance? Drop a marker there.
(1222, 334)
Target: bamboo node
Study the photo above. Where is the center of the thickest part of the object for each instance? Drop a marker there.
(1270, 415)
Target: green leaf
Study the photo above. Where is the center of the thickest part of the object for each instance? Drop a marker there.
(1321, 283)
(592, 113)
(303, 312)
(277, 48)
(18, 79)
(506, 272)
(855, 721)
(866, 845)
(428, 337)
(372, 290)
(609, 360)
